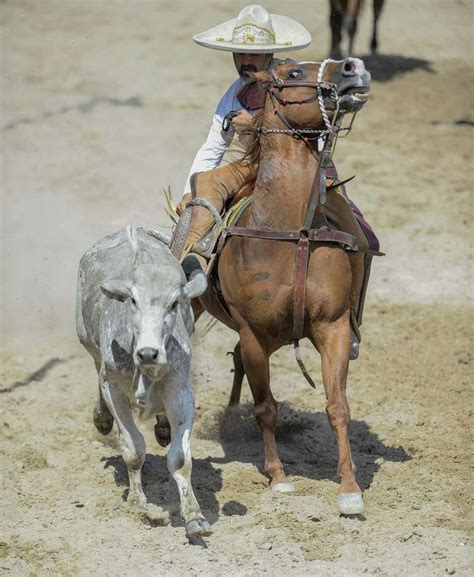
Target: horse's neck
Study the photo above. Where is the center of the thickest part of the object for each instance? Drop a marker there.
(284, 182)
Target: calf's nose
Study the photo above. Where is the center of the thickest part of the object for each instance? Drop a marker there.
(148, 354)
(353, 67)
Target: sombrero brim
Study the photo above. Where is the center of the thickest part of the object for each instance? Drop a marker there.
(289, 35)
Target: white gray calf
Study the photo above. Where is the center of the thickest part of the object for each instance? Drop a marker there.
(133, 315)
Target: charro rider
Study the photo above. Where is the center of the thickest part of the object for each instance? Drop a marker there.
(253, 38)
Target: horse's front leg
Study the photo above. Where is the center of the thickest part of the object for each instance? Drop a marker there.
(256, 364)
(333, 341)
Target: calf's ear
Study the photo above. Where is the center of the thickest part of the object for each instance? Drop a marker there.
(196, 286)
(115, 289)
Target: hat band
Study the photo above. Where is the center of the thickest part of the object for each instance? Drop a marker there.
(252, 34)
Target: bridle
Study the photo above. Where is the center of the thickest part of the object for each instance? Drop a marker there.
(274, 89)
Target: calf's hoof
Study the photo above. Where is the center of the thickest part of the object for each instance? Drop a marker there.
(137, 501)
(103, 420)
(198, 528)
(283, 487)
(350, 503)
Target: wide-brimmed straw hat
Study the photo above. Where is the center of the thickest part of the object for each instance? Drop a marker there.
(256, 31)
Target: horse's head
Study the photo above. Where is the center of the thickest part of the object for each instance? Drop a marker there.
(303, 94)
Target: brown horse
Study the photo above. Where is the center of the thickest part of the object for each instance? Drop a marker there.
(344, 14)
(257, 276)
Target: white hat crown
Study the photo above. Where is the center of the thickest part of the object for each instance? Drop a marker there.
(256, 31)
(253, 26)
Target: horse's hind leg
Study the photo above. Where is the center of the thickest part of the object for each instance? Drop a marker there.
(239, 373)
(336, 18)
(332, 341)
(256, 365)
(378, 5)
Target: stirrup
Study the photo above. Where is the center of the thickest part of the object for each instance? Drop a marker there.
(354, 348)
(355, 337)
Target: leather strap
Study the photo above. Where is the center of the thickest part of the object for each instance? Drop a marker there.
(181, 232)
(314, 235)
(302, 256)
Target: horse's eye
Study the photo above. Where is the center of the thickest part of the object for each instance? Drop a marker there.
(293, 74)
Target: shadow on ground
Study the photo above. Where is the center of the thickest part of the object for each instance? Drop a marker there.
(160, 488)
(306, 443)
(385, 67)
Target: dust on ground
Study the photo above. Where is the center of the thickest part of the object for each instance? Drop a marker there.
(103, 106)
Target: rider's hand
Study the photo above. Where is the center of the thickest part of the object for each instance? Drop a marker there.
(243, 117)
(184, 203)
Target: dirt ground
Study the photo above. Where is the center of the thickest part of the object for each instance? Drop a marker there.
(103, 106)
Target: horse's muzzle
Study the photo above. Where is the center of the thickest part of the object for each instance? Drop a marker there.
(354, 86)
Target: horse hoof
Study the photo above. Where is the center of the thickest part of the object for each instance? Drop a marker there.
(198, 528)
(283, 487)
(350, 503)
(103, 421)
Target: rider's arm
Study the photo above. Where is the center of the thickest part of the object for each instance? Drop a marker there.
(217, 142)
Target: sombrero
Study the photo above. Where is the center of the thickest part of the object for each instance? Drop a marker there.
(255, 30)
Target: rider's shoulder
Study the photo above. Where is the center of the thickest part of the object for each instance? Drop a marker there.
(227, 102)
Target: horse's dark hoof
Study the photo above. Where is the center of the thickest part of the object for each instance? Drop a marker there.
(162, 431)
(103, 421)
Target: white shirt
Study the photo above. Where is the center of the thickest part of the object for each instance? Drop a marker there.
(217, 142)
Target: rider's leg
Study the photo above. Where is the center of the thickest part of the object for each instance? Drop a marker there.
(216, 186)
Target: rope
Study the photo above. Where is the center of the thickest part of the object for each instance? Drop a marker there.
(324, 113)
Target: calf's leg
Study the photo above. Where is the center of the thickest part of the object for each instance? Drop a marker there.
(179, 405)
(103, 419)
(333, 341)
(132, 442)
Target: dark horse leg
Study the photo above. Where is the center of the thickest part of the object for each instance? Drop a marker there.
(336, 18)
(257, 368)
(239, 374)
(378, 5)
(332, 341)
(350, 21)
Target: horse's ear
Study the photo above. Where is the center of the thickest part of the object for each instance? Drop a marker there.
(262, 76)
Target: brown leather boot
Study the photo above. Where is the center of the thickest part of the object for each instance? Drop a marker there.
(217, 186)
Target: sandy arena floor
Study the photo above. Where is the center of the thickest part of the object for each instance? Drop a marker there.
(103, 106)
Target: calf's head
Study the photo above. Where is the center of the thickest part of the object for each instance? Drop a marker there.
(157, 297)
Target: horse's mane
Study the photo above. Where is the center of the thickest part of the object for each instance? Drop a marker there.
(250, 156)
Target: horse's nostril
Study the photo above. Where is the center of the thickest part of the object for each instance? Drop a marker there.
(148, 354)
(349, 65)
